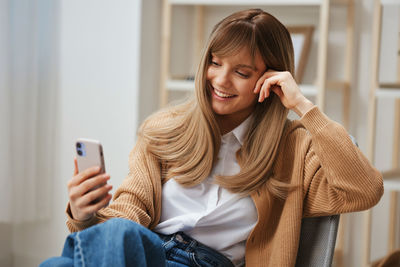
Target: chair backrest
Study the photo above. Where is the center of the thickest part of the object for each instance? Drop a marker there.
(317, 241)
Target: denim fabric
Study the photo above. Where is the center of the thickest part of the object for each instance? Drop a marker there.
(117, 242)
(121, 242)
(182, 250)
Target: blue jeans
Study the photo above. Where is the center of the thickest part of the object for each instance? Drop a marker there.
(121, 242)
(182, 250)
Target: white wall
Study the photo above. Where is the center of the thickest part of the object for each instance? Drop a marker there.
(97, 98)
(149, 58)
(5, 229)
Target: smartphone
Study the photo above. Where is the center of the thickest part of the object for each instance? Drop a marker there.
(89, 153)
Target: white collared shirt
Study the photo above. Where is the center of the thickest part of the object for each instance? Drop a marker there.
(209, 213)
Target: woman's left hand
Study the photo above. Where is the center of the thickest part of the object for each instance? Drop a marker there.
(285, 87)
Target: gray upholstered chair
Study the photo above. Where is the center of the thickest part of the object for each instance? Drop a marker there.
(317, 241)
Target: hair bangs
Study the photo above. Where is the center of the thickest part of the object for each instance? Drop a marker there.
(234, 37)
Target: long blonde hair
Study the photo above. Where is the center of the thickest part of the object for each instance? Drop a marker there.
(187, 141)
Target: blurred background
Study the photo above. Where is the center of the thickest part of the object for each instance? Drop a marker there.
(71, 69)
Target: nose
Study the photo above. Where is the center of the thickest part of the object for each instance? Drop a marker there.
(222, 78)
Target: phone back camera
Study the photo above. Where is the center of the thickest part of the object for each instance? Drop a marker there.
(80, 149)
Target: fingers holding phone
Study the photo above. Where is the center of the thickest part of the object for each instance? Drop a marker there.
(88, 189)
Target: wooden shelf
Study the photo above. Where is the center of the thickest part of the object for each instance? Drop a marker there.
(188, 86)
(388, 92)
(309, 89)
(390, 85)
(391, 180)
(391, 174)
(390, 2)
(392, 184)
(180, 85)
(388, 89)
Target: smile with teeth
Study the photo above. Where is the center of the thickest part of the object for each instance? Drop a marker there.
(221, 94)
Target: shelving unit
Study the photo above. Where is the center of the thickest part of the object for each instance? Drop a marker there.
(317, 90)
(188, 86)
(377, 91)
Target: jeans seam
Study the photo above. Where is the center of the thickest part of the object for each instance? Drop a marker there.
(191, 246)
(80, 249)
(193, 257)
(167, 243)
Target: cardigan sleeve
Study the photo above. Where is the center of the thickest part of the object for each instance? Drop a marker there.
(338, 178)
(135, 198)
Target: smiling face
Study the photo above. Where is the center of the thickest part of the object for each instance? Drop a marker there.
(231, 80)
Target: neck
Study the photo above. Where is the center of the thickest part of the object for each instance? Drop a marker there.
(227, 123)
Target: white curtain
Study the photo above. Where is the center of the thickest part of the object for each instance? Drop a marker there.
(28, 94)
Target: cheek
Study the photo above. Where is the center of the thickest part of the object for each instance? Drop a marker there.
(252, 97)
(256, 78)
(247, 90)
(209, 74)
(247, 94)
(247, 86)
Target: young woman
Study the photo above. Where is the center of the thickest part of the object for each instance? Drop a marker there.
(224, 179)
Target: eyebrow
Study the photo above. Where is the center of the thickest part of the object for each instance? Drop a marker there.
(239, 65)
(247, 66)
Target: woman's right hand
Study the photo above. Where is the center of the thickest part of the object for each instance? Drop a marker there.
(88, 192)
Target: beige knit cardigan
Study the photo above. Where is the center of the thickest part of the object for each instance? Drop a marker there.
(316, 153)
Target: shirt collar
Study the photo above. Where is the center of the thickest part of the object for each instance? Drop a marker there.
(240, 131)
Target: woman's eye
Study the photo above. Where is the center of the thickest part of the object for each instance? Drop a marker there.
(214, 63)
(242, 74)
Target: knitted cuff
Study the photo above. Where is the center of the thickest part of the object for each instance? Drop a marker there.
(76, 225)
(314, 120)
